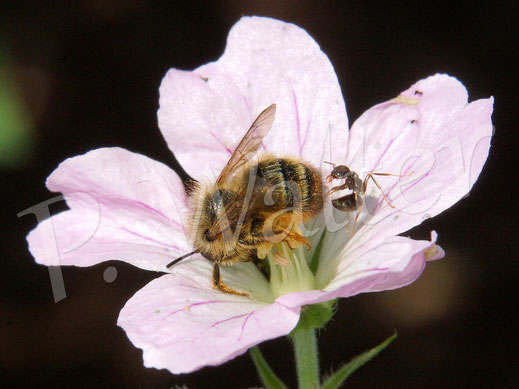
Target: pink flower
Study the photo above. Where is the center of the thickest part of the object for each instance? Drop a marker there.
(126, 206)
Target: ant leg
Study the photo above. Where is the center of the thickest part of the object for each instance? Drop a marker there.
(218, 283)
(337, 188)
(355, 223)
(390, 174)
(370, 175)
(359, 208)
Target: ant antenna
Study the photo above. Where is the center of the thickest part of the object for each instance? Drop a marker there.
(331, 163)
(179, 259)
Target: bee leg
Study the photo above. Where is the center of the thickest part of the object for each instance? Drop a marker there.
(218, 283)
(294, 236)
(263, 249)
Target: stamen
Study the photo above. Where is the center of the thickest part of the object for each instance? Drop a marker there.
(280, 259)
(431, 252)
(293, 274)
(406, 100)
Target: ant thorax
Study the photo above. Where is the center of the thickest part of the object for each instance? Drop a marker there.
(354, 183)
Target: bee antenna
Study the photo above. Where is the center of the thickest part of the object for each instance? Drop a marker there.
(331, 163)
(179, 259)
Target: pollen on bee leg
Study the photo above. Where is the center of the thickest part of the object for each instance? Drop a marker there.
(293, 244)
(293, 236)
(263, 249)
(280, 259)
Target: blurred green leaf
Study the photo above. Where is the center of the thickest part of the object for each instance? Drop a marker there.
(336, 379)
(267, 375)
(15, 124)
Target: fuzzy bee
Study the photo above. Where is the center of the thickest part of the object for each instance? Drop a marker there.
(254, 204)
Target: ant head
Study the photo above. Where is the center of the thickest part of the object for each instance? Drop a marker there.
(339, 171)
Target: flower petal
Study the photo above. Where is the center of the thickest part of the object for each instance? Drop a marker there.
(430, 133)
(182, 324)
(391, 264)
(122, 206)
(204, 114)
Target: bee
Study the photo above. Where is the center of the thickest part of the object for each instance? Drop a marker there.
(352, 181)
(253, 204)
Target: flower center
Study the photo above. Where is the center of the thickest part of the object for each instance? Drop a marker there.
(289, 271)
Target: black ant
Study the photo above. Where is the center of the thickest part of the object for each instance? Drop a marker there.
(353, 201)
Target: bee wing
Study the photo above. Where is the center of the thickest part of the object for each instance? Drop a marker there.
(250, 143)
(234, 212)
(223, 224)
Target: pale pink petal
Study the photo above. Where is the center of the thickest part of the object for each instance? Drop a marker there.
(429, 132)
(391, 264)
(122, 206)
(395, 262)
(182, 324)
(204, 114)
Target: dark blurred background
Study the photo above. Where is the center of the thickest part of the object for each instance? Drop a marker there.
(79, 75)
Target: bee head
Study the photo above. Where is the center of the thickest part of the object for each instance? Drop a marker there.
(214, 218)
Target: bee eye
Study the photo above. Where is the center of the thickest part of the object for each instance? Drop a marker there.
(207, 236)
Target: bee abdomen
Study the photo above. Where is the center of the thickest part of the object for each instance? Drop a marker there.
(295, 185)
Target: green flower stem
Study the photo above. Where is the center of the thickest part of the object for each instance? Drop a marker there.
(267, 375)
(307, 360)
